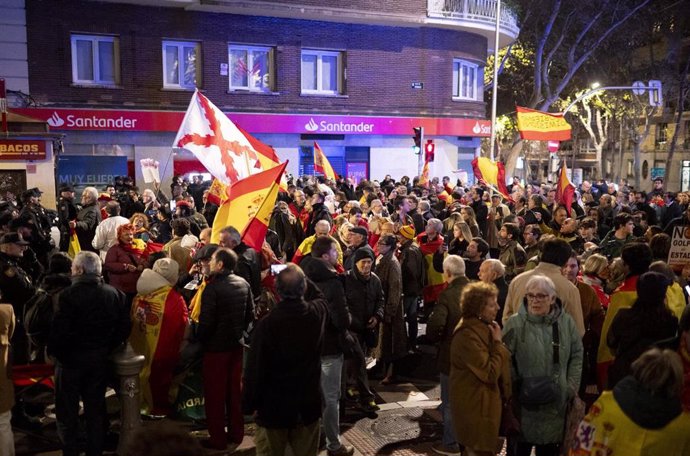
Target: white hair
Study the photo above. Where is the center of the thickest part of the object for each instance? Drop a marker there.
(454, 266)
(541, 282)
(496, 267)
(91, 192)
(89, 262)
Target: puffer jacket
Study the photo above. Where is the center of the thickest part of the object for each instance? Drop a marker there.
(365, 298)
(331, 285)
(226, 311)
(529, 338)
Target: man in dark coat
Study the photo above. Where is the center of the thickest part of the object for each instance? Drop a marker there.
(88, 219)
(413, 269)
(358, 241)
(364, 294)
(320, 268)
(226, 311)
(248, 259)
(318, 212)
(91, 321)
(282, 379)
(67, 211)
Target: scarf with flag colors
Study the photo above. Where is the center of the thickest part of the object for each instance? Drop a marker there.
(492, 173)
(435, 283)
(322, 165)
(565, 191)
(542, 126)
(249, 207)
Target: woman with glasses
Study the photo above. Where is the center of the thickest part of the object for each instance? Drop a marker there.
(547, 366)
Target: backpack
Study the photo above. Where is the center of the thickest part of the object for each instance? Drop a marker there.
(38, 316)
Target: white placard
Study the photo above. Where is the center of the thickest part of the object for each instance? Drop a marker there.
(150, 171)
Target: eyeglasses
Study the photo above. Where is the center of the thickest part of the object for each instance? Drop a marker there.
(537, 297)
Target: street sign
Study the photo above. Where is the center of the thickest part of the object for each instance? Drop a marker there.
(639, 88)
(655, 96)
(417, 85)
(553, 146)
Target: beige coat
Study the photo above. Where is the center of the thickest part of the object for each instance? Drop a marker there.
(7, 323)
(479, 371)
(566, 292)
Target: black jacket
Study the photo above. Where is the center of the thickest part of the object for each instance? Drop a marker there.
(226, 311)
(283, 372)
(481, 212)
(91, 321)
(365, 298)
(88, 219)
(413, 269)
(332, 286)
(249, 267)
(318, 212)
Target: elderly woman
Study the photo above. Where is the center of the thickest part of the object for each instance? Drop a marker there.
(595, 271)
(547, 366)
(493, 271)
(141, 226)
(642, 415)
(479, 371)
(124, 261)
(393, 333)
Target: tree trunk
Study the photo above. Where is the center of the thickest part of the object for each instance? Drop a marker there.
(510, 160)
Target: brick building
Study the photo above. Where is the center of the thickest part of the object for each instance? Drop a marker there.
(116, 78)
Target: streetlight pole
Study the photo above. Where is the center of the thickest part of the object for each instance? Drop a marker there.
(492, 142)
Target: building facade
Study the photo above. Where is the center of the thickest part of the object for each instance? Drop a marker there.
(116, 77)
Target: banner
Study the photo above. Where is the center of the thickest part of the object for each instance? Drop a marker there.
(542, 126)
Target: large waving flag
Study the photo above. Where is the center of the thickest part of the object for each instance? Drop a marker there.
(216, 142)
(565, 191)
(542, 126)
(267, 155)
(492, 173)
(249, 207)
(322, 165)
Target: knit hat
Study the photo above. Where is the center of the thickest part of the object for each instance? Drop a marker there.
(363, 252)
(407, 231)
(168, 268)
(651, 287)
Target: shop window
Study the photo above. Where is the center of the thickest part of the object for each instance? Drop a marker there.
(466, 79)
(322, 72)
(181, 64)
(251, 68)
(95, 60)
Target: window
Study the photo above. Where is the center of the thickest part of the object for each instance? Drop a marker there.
(322, 72)
(95, 60)
(251, 68)
(466, 78)
(661, 135)
(181, 64)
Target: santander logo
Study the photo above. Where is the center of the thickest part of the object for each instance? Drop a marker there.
(311, 125)
(485, 129)
(55, 120)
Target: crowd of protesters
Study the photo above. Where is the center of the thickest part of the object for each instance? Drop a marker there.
(531, 303)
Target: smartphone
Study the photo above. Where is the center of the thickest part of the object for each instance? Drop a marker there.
(276, 268)
(173, 205)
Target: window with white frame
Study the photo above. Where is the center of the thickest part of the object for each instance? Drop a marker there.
(322, 72)
(181, 64)
(95, 60)
(251, 68)
(466, 79)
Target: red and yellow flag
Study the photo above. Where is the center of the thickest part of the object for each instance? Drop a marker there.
(322, 165)
(424, 178)
(267, 155)
(542, 126)
(249, 206)
(492, 173)
(565, 191)
(217, 192)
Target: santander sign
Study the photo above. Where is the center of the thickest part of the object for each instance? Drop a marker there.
(91, 122)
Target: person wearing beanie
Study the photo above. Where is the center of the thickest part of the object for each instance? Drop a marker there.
(159, 322)
(413, 269)
(638, 328)
(358, 241)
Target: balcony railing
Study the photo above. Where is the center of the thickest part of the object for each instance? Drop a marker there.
(474, 10)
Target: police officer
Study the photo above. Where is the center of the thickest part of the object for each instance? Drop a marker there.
(67, 210)
(38, 218)
(16, 287)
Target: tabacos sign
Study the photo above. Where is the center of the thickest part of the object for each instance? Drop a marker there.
(22, 149)
(123, 120)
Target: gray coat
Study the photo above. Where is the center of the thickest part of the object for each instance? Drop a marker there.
(529, 339)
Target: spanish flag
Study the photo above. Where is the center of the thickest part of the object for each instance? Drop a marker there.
(542, 126)
(424, 178)
(565, 191)
(322, 165)
(267, 156)
(249, 207)
(217, 192)
(492, 173)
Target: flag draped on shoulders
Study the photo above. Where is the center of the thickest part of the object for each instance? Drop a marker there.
(217, 142)
(322, 165)
(424, 178)
(492, 173)
(542, 126)
(249, 207)
(565, 191)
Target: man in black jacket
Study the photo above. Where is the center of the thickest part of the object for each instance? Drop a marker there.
(318, 212)
(88, 219)
(413, 268)
(320, 268)
(248, 260)
(226, 311)
(91, 321)
(282, 379)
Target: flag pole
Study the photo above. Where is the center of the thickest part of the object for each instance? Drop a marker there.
(495, 81)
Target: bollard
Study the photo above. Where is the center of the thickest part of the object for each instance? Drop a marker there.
(128, 365)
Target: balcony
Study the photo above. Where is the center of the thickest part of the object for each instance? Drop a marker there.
(477, 16)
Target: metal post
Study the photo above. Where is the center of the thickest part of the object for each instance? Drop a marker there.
(492, 142)
(128, 365)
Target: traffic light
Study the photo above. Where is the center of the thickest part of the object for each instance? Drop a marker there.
(429, 150)
(418, 138)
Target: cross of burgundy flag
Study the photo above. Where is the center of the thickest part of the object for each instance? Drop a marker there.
(216, 142)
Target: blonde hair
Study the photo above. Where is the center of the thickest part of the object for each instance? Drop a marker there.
(595, 264)
(474, 298)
